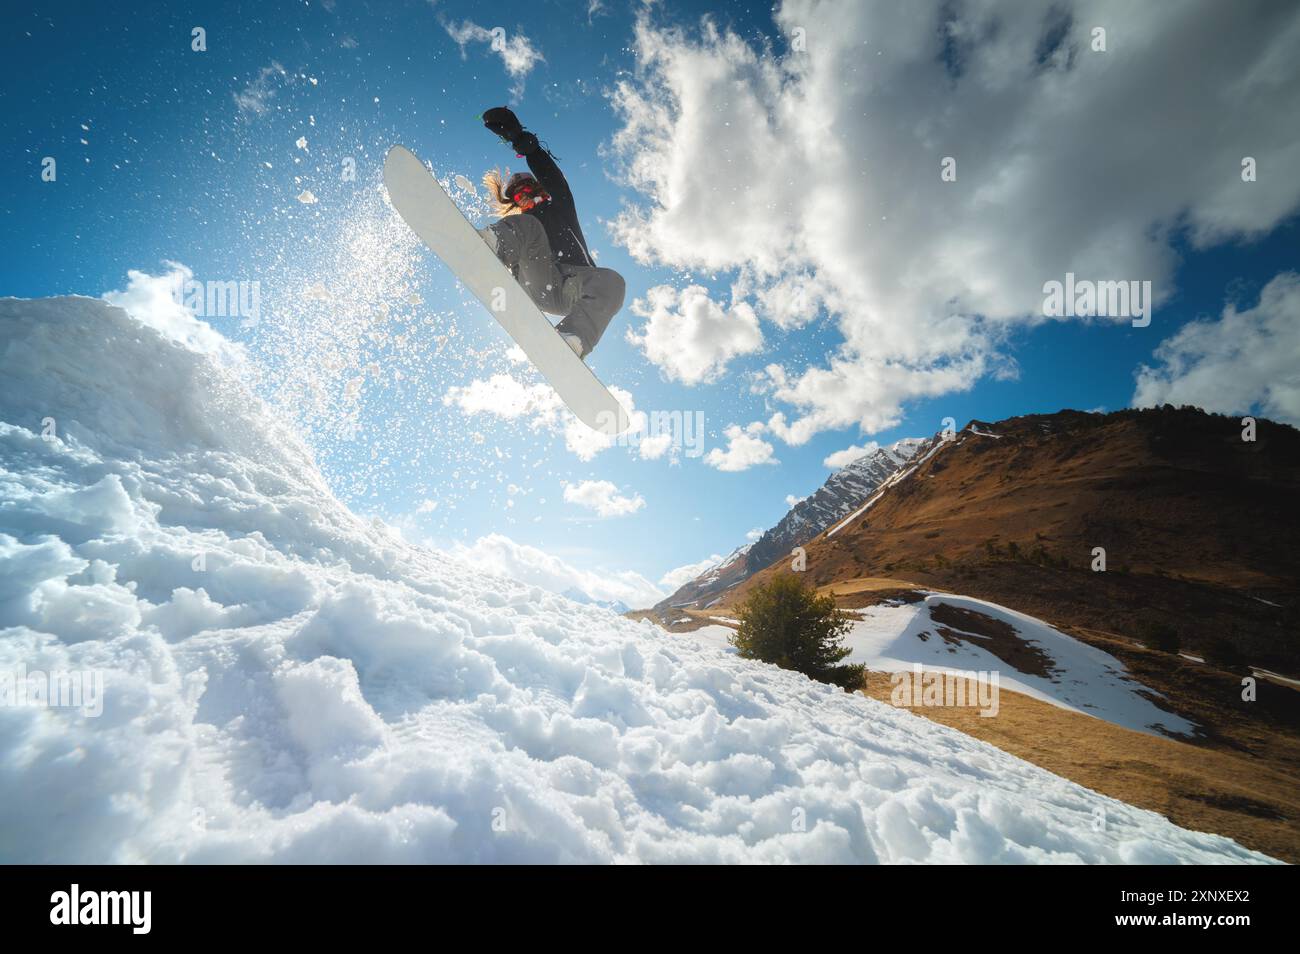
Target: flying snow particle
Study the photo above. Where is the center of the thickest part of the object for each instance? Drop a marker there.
(306, 197)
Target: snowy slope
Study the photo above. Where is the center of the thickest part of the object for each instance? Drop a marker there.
(287, 682)
(715, 572)
(1084, 678)
(842, 492)
(896, 477)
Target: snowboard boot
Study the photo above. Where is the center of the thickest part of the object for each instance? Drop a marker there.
(574, 342)
(490, 237)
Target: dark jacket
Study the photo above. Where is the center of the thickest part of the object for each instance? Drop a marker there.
(557, 214)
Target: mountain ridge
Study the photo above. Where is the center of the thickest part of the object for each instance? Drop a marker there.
(835, 498)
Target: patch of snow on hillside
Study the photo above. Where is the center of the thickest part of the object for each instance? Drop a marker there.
(1087, 680)
(714, 635)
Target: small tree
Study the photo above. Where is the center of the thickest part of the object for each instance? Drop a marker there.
(786, 623)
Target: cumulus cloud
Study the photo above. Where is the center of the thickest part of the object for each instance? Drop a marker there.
(745, 449)
(535, 405)
(1245, 359)
(502, 556)
(675, 577)
(602, 497)
(842, 458)
(813, 176)
(688, 336)
(540, 408)
(505, 397)
(791, 500)
(517, 52)
(656, 446)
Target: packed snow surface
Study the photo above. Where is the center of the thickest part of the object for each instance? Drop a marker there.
(284, 681)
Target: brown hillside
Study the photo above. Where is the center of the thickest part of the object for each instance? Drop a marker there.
(1199, 527)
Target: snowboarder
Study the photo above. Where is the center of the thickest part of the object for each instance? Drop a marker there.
(539, 239)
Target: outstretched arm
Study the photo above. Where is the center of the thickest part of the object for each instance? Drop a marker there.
(505, 124)
(548, 173)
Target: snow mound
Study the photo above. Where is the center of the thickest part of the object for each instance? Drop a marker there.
(286, 682)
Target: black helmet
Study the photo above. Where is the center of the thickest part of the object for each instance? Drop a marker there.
(522, 182)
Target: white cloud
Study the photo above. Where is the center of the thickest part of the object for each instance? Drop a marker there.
(791, 500)
(1243, 360)
(655, 446)
(690, 337)
(842, 458)
(745, 449)
(754, 534)
(603, 498)
(540, 407)
(675, 577)
(814, 177)
(254, 99)
(158, 301)
(502, 556)
(517, 52)
(506, 397)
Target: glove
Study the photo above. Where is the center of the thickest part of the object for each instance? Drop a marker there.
(506, 124)
(503, 122)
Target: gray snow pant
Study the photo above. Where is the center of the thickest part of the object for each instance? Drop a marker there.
(588, 296)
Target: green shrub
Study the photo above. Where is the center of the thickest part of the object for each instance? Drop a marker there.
(785, 622)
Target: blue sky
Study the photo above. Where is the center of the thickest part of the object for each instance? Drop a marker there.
(165, 154)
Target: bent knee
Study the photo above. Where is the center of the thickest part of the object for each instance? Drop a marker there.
(615, 288)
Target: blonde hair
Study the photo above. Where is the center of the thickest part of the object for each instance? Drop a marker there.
(494, 180)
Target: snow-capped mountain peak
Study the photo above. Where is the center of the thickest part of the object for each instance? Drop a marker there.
(844, 490)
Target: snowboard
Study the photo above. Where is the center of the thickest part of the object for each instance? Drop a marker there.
(425, 206)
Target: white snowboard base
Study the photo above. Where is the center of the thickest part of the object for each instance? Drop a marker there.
(423, 204)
